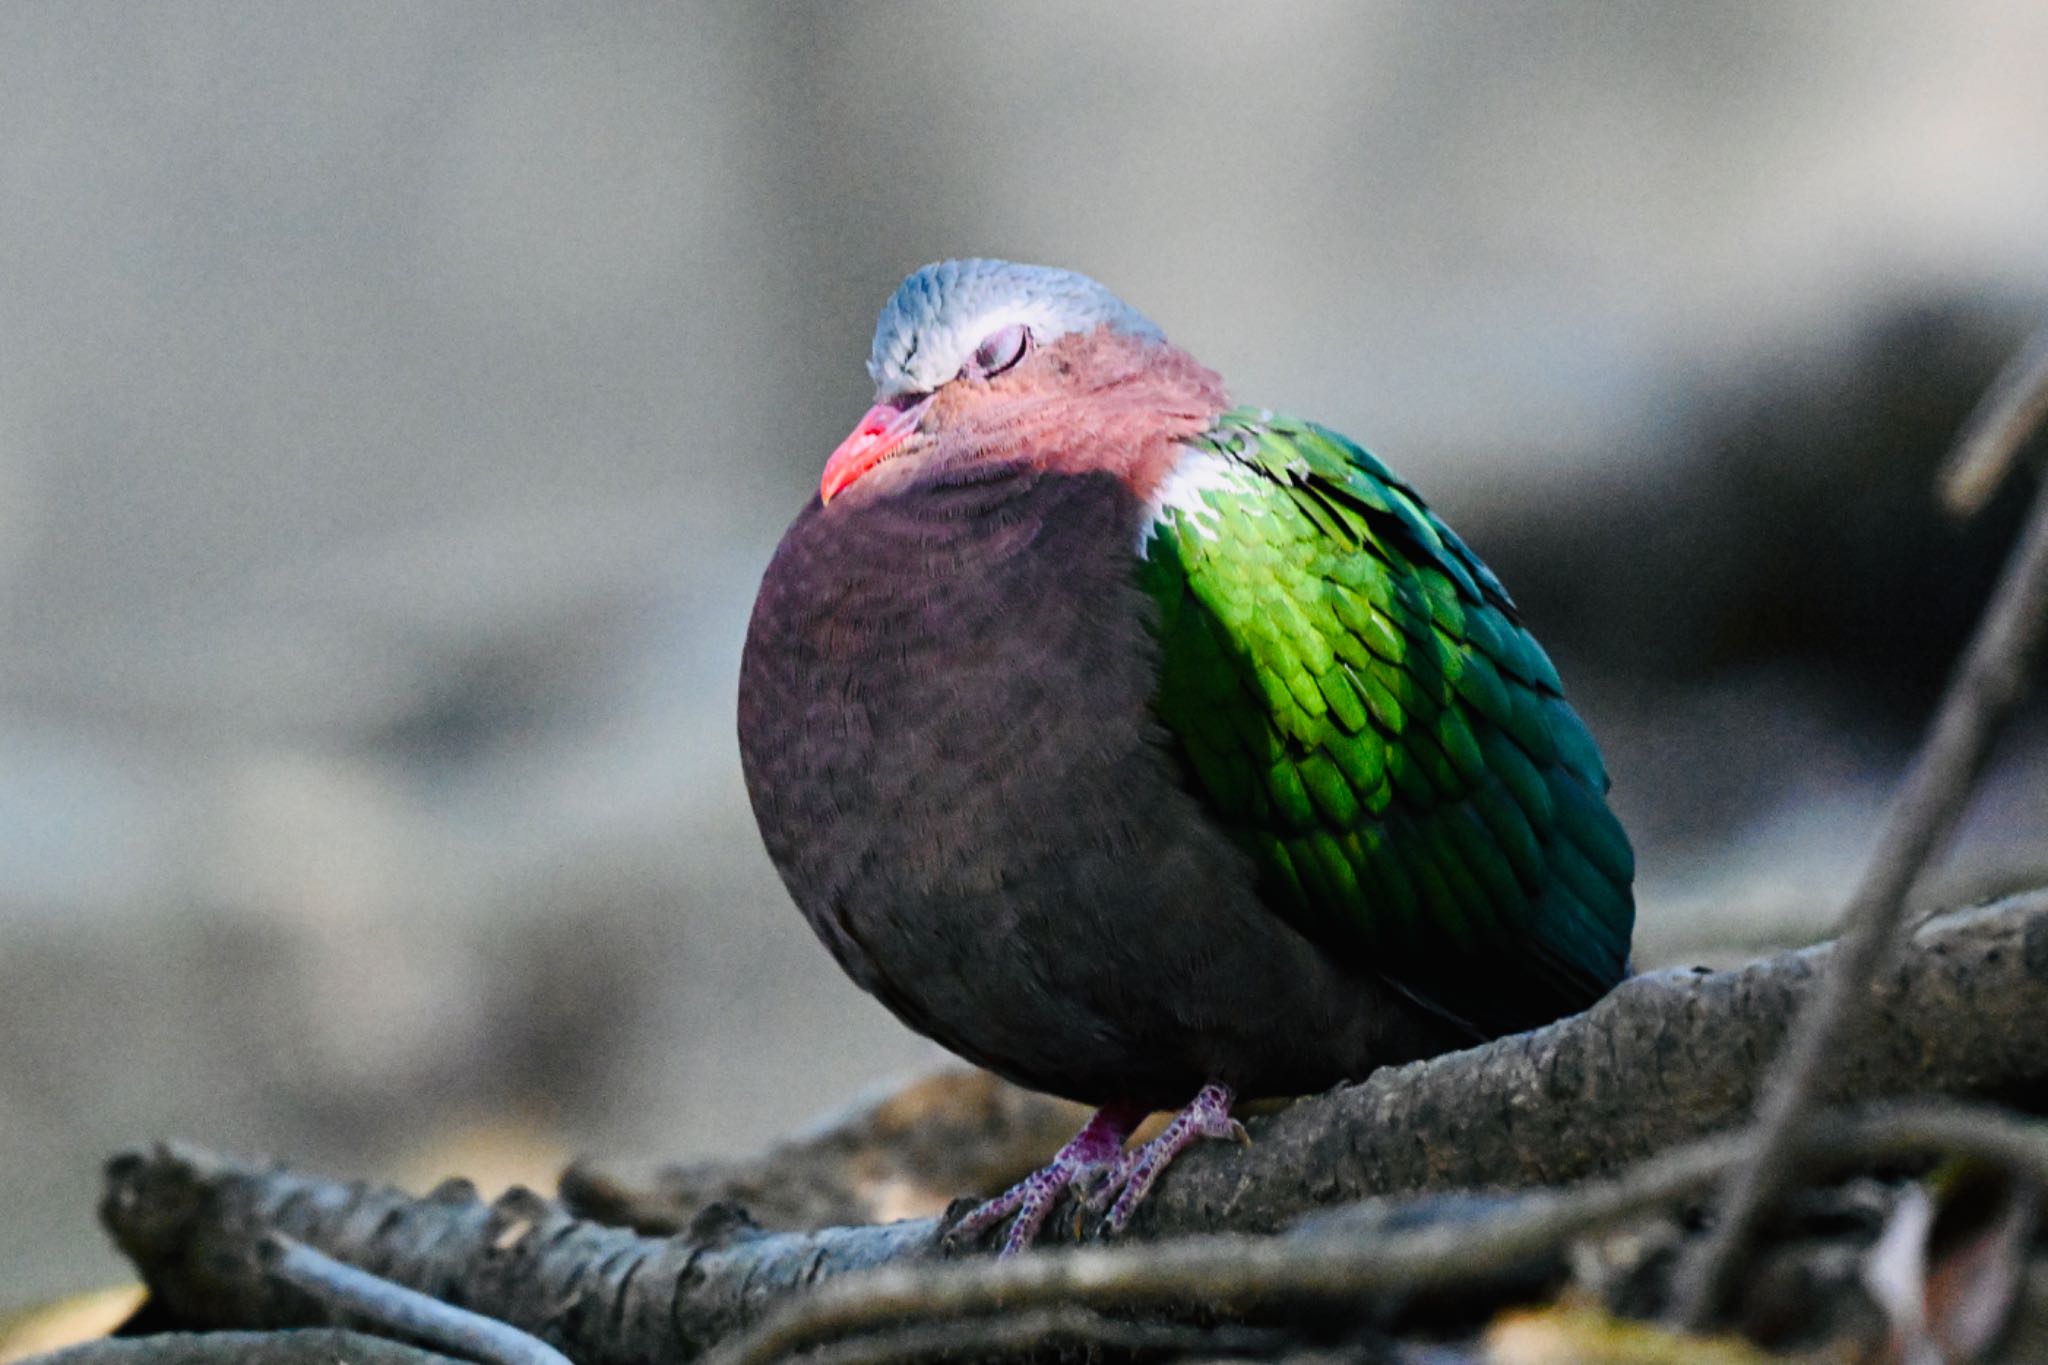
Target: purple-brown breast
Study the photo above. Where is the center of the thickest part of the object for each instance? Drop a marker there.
(946, 726)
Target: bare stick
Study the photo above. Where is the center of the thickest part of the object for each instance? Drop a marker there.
(904, 1154)
(397, 1311)
(1235, 1275)
(1669, 1056)
(301, 1346)
(1026, 1333)
(2011, 411)
(1986, 686)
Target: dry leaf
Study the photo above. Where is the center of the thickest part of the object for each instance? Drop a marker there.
(1588, 1336)
(1948, 1266)
(53, 1326)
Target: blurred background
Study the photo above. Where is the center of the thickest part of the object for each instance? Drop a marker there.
(398, 404)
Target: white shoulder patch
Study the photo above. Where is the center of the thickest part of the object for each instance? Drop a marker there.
(1184, 494)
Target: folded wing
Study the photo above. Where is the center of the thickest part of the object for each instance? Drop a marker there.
(1353, 694)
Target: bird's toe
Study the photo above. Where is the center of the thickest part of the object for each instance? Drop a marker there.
(1207, 1117)
(1030, 1201)
(1107, 1182)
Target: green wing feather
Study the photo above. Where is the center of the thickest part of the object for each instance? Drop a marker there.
(1355, 697)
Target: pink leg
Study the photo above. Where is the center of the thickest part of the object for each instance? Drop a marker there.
(1095, 1163)
(1096, 1149)
(1207, 1116)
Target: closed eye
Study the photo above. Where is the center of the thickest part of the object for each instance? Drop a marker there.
(999, 351)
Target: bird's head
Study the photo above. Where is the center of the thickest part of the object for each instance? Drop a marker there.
(968, 325)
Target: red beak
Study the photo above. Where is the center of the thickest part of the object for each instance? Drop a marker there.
(884, 428)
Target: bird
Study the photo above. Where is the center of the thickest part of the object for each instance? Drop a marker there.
(1153, 751)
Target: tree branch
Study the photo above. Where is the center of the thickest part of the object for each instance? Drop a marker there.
(905, 1155)
(1237, 1276)
(1988, 684)
(2011, 411)
(395, 1310)
(314, 1346)
(1665, 1058)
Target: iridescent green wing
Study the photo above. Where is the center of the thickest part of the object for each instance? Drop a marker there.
(1356, 699)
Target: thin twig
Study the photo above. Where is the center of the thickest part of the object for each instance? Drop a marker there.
(2011, 411)
(397, 1311)
(1063, 1325)
(298, 1346)
(1987, 685)
(1231, 1276)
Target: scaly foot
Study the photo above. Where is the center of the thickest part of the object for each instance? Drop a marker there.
(1132, 1178)
(1089, 1154)
(1095, 1163)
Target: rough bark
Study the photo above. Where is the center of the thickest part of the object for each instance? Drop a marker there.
(905, 1155)
(1450, 1257)
(314, 1346)
(1667, 1057)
